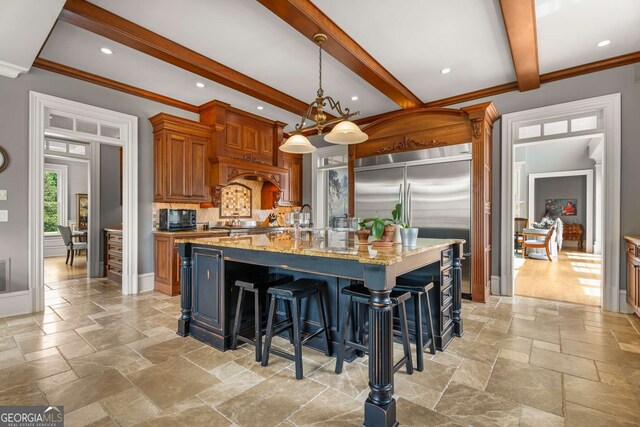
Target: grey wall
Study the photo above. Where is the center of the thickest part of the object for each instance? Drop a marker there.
(77, 182)
(566, 187)
(14, 137)
(110, 207)
(617, 80)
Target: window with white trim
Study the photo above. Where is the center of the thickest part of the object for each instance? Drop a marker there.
(54, 198)
(331, 184)
(575, 125)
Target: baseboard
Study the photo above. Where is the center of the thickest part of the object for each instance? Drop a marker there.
(495, 285)
(146, 282)
(624, 306)
(15, 303)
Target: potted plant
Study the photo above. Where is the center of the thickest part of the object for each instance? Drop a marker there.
(381, 229)
(409, 235)
(363, 232)
(397, 221)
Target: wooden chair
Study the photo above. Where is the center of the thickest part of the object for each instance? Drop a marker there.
(519, 225)
(71, 246)
(538, 244)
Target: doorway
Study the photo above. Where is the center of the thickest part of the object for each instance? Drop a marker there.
(596, 121)
(52, 117)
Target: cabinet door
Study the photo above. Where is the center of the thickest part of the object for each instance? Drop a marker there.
(162, 259)
(198, 178)
(266, 143)
(632, 283)
(250, 139)
(233, 136)
(176, 168)
(159, 153)
(208, 289)
(292, 189)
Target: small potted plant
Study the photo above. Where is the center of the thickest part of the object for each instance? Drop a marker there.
(397, 222)
(363, 232)
(381, 230)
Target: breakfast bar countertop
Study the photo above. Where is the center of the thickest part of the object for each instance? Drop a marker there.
(334, 246)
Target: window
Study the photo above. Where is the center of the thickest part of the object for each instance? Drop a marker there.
(331, 186)
(69, 149)
(578, 124)
(54, 197)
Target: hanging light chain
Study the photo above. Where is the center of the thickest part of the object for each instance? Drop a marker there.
(320, 91)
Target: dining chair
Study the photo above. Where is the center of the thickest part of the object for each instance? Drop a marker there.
(71, 246)
(519, 224)
(537, 244)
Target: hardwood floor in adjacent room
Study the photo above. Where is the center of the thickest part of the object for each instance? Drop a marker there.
(55, 270)
(572, 277)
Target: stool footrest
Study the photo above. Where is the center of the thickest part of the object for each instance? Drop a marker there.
(282, 354)
(308, 337)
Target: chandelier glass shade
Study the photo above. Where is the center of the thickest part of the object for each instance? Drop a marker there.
(344, 132)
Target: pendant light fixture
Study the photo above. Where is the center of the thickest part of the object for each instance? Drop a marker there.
(344, 132)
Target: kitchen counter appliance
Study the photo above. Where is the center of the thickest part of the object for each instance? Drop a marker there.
(177, 220)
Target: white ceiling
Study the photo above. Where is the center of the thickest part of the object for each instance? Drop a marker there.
(568, 31)
(24, 26)
(413, 39)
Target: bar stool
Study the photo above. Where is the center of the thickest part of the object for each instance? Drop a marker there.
(258, 289)
(292, 295)
(417, 291)
(359, 295)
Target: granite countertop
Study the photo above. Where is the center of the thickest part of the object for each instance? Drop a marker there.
(190, 233)
(334, 245)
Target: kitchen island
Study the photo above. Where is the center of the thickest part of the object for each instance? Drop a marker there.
(210, 266)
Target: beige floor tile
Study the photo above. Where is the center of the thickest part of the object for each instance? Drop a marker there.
(413, 415)
(52, 382)
(165, 350)
(121, 358)
(601, 353)
(580, 416)
(76, 349)
(478, 351)
(7, 343)
(627, 341)
(235, 385)
(435, 376)
(602, 397)
(352, 381)
(329, 409)
(532, 386)
(412, 391)
(9, 358)
(183, 378)
(40, 354)
(31, 344)
(565, 363)
(469, 406)
(129, 407)
(201, 415)
(546, 345)
(112, 335)
(85, 391)
(535, 330)
(31, 371)
(271, 401)
(532, 417)
(67, 325)
(89, 415)
(209, 358)
(26, 395)
(75, 311)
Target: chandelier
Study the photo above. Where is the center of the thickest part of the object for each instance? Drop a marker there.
(344, 132)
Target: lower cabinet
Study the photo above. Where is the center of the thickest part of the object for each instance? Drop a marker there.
(167, 262)
(113, 254)
(633, 273)
(208, 299)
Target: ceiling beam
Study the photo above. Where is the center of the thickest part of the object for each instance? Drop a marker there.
(520, 22)
(106, 24)
(305, 17)
(112, 84)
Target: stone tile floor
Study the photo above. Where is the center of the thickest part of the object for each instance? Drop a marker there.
(116, 360)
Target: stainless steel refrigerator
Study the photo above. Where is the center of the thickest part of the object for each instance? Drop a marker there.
(437, 184)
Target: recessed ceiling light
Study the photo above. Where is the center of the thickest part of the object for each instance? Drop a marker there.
(200, 84)
(445, 71)
(604, 43)
(354, 98)
(260, 107)
(106, 51)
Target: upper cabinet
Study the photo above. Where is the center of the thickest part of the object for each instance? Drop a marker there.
(192, 160)
(181, 165)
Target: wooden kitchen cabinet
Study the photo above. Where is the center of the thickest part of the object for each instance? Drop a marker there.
(292, 188)
(633, 272)
(180, 160)
(167, 261)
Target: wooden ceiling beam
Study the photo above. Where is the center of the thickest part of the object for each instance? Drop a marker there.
(520, 22)
(309, 20)
(112, 84)
(106, 24)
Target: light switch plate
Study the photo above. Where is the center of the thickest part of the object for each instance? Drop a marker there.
(3, 194)
(4, 216)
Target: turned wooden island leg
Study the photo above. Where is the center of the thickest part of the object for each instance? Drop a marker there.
(458, 330)
(380, 407)
(184, 249)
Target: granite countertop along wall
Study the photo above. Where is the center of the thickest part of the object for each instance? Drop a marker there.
(333, 246)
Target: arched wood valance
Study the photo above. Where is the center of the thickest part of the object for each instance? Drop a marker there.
(422, 128)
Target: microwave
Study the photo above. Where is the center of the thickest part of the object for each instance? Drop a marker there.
(177, 219)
